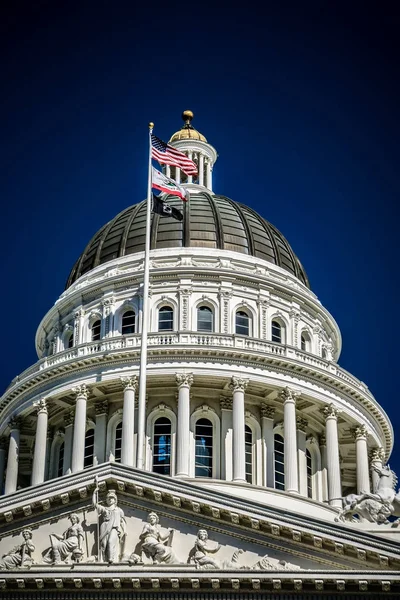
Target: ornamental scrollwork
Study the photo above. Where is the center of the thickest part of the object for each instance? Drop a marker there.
(289, 395)
(226, 403)
(267, 412)
(101, 407)
(41, 405)
(129, 383)
(360, 432)
(184, 379)
(81, 391)
(238, 384)
(377, 454)
(330, 411)
(301, 424)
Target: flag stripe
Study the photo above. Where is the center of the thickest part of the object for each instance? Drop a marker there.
(168, 155)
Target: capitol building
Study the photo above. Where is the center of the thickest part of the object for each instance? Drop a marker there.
(255, 467)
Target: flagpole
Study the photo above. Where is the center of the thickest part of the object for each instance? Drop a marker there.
(145, 324)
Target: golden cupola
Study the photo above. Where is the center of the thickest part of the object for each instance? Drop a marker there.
(188, 132)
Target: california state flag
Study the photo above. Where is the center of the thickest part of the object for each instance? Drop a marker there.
(165, 184)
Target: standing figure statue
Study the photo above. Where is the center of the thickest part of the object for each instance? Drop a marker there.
(112, 527)
(68, 545)
(156, 542)
(200, 551)
(21, 555)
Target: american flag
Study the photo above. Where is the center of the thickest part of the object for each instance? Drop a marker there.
(167, 155)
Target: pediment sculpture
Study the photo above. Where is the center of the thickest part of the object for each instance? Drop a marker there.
(21, 555)
(66, 547)
(112, 528)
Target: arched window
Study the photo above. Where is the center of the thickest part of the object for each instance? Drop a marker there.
(248, 435)
(60, 463)
(205, 319)
(242, 323)
(277, 332)
(162, 446)
(128, 322)
(203, 448)
(89, 449)
(309, 474)
(70, 340)
(305, 341)
(166, 318)
(96, 328)
(118, 442)
(279, 462)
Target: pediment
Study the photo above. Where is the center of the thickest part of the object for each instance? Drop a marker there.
(242, 540)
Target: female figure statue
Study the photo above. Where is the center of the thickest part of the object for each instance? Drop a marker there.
(200, 551)
(19, 556)
(67, 544)
(112, 527)
(154, 542)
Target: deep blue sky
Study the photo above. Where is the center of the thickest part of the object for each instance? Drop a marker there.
(301, 103)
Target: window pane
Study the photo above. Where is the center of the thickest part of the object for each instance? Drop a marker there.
(96, 331)
(203, 448)
(242, 323)
(70, 341)
(309, 473)
(60, 466)
(249, 453)
(165, 319)
(303, 343)
(162, 446)
(118, 442)
(89, 448)
(204, 319)
(279, 462)
(128, 322)
(276, 331)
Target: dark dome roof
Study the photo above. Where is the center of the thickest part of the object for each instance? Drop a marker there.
(210, 221)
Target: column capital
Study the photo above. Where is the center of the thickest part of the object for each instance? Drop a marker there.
(360, 432)
(41, 406)
(330, 411)
(129, 383)
(101, 407)
(289, 395)
(377, 454)
(267, 412)
(81, 391)
(225, 403)
(15, 423)
(301, 424)
(184, 379)
(238, 384)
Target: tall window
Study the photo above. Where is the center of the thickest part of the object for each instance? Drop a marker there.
(309, 473)
(128, 322)
(242, 323)
(248, 435)
(89, 449)
(205, 319)
(165, 319)
(60, 463)
(203, 448)
(305, 342)
(118, 442)
(162, 446)
(70, 340)
(96, 327)
(276, 332)
(279, 462)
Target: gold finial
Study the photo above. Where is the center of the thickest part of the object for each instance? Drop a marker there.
(187, 116)
(151, 125)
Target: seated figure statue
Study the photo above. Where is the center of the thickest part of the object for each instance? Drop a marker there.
(66, 546)
(155, 542)
(199, 554)
(21, 555)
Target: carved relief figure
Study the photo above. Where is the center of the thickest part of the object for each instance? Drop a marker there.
(21, 555)
(66, 546)
(156, 542)
(112, 527)
(199, 554)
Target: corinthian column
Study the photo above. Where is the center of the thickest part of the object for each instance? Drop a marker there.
(238, 385)
(13, 456)
(100, 432)
(376, 460)
(39, 455)
(128, 421)
(360, 434)
(289, 398)
(267, 433)
(184, 382)
(301, 454)
(78, 444)
(332, 456)
(68, 425)
(226, 438)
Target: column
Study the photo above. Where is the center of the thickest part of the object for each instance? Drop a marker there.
(128, 421)
(301, 425)
(78, 442)
(177, 175)
(3, 447)
(360, 434)
(39, 455)
(267, 432)
(13, 456)
(238, 386)
(226, 438)
(69, 428)
(208, 175)
(184, 382)
(167, 170)
(78, 326)
(324, 468)
(377, 458)
(289, 397)
(49, 440)
(201, 169)
(190, 177)
(100, 432)
(332, 456)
